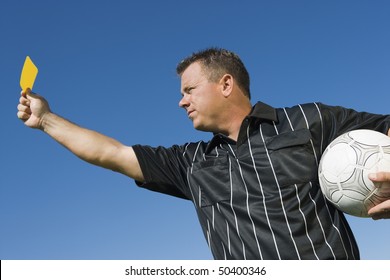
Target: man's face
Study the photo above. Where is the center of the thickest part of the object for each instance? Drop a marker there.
(200, 98)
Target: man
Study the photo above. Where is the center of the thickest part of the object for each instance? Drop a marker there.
(254, 184)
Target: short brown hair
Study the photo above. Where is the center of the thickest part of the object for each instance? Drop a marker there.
(218, 62)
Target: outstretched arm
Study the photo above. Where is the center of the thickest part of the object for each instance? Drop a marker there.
(88, 145)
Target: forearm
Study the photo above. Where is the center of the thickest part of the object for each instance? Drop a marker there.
(88, 145)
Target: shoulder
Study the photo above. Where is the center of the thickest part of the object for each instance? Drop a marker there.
(311, 109)
(305, 110)
(302, 106)
(186, 151)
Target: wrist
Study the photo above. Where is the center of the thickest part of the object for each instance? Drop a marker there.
(45, 121)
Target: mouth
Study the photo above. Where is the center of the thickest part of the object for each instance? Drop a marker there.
(189, 112)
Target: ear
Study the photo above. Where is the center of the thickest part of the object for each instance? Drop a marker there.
(227, 83)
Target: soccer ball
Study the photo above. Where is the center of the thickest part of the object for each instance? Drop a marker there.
(344, 168)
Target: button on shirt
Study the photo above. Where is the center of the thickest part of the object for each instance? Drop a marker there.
(259, 197)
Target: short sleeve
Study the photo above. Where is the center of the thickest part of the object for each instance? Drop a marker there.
(338, 120)
(164, 169)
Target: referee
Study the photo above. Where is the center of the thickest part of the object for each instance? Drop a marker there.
(254, 185)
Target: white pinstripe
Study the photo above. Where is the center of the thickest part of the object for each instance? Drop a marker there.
(315, 204)
(208, 233)
(185, 150)
(323, 197)
(304, 220)
(322, 127)
(297, 194)
(194, 157)
(280, 193)
(263, 196)
(334, 226)
(228, 236)
(213, 217)
(247, 203)
(234, 212)
(224, 251)
(311, 140)
(350, 242)
(322, 229)
(200, 196)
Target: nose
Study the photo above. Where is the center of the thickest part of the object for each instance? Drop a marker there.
(184, 101)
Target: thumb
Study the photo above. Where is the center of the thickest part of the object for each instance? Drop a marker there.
(24, 92)
(29, 94)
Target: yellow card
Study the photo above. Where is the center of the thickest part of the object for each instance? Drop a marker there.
(29, 73)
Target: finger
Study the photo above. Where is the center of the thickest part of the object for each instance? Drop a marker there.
(380, 211)
(23, 115)
(383, 206)
(23, 108)
(23, 100)
(381, 215)
(25, 92)
(379, 176)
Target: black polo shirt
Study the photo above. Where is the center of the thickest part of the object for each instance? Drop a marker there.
(259, 197)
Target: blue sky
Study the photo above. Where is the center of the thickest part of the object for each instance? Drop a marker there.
(110, 66)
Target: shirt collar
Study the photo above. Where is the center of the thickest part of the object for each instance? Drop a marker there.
(264, 112)
(260, 112)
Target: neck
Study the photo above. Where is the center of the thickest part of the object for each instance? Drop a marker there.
(234, 120)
